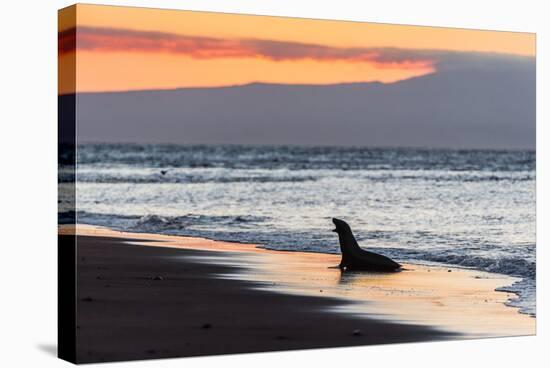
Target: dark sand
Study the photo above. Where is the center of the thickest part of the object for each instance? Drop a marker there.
(140, 302)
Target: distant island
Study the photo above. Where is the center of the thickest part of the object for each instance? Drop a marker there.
(483, 105)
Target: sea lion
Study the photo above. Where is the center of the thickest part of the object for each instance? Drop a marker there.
(355, 258)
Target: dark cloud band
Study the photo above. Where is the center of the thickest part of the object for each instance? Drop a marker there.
(126, 40)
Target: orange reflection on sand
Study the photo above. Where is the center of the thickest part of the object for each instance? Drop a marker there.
(454, 299)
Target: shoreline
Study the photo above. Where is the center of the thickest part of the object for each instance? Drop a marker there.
(146, 302)
(451, 299)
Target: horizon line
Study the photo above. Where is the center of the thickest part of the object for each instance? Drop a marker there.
(247, 84)
(328, 145)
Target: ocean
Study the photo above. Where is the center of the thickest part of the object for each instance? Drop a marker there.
(464, 208)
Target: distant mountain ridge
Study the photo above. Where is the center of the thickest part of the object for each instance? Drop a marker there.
(472, 107)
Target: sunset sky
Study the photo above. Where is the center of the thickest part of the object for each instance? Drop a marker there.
(121, 48)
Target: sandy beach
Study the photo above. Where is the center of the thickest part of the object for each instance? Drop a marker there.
(155, 296)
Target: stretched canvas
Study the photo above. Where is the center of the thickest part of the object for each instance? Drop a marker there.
(204, 159)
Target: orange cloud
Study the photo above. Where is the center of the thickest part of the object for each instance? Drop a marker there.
(126, 40)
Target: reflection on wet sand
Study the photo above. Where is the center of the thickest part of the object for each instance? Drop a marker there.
(458, 300)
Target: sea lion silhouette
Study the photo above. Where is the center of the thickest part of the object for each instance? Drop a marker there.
(355, 258)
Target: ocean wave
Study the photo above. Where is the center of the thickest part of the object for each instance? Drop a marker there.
(197, 176)
(155, 223)
(297, 158)
(504, 265)
(469, 178)
(185, 179)
(526, 295)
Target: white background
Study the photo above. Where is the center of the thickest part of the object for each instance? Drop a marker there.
(28, 202)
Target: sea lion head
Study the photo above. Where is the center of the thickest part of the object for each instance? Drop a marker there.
(341, 226)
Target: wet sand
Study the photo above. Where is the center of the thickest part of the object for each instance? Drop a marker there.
(152, 296)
